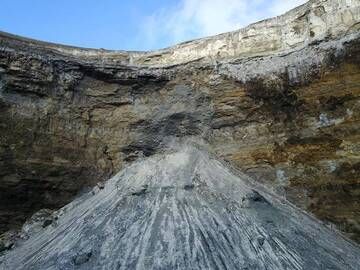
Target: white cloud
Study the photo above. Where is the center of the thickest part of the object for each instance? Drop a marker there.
(198, 18)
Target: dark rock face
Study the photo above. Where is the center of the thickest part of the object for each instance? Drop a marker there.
(288, 115)
(147, 217)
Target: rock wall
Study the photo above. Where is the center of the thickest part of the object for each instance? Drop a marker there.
(288, 116)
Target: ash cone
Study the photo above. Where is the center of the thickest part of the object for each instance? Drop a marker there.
(182, 209)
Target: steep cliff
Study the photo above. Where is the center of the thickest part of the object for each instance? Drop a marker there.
(278, 99)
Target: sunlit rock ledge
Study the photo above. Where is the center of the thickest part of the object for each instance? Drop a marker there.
(310, 23)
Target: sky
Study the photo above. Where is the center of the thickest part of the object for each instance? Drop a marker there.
(132, 24)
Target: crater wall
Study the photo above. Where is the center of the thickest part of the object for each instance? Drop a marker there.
(278, 99)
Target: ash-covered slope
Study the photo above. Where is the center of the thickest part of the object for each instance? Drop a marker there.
(182, 210)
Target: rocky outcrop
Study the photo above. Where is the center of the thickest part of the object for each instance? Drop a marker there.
(285, 111)
(182, 209)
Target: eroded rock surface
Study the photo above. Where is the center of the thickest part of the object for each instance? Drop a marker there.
(285, 111)
(182, 210)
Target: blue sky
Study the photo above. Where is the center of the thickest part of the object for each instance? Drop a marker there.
(132, 24)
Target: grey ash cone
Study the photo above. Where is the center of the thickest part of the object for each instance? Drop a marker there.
(182, 210)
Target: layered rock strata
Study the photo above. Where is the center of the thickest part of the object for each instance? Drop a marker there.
(278, 99)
